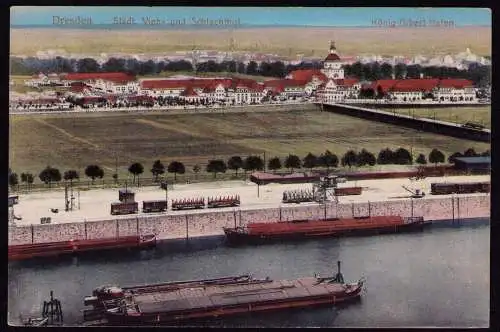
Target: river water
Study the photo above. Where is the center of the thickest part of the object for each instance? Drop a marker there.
(440, 277)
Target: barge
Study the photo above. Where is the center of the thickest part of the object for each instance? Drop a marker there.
(302, 229)
(181, 302)
(48, 249)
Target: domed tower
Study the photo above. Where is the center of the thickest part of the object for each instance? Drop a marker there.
(332, 66)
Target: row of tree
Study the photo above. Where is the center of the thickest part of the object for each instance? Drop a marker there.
(30, 66)
(479, 74)
(327, 159)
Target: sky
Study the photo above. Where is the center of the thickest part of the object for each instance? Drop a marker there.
(329, 16)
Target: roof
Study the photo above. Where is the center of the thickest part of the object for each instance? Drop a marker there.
(346, 81)
(307, 74)
(457, 83)
(474, 160)
(184, 83)
(189, 92)
(117, 77)
(332, 57)
(280, 85)
(422, 84)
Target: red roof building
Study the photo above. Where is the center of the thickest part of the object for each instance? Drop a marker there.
(456, 83)
(347, 82)
(307, 75)
(114, 77)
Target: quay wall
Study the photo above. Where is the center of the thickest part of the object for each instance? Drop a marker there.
(206, 223)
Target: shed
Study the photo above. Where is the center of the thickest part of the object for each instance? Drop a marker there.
(473, 164)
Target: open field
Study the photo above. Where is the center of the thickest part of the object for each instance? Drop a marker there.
(73, 141)
(309, 41)
(477, 114)
(95, 204)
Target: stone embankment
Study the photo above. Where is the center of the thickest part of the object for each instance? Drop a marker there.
(211, 223)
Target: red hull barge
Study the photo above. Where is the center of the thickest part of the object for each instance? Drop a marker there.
(48, 249)
(203, 300)
(255, 233)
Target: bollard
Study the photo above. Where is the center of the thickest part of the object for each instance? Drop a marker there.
(137, 225)
(187, 229)
(85, 227)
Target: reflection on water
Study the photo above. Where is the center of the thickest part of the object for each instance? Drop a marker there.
(436, 278)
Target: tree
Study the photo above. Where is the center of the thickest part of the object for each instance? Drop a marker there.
(49, 175)
(451, 159)
(157, 169)
(94, 171)
(486, 153)
(252, 68)
(400, 71)
(350, 158)
(310, 161)
(292, 161)
(235, 163)
(176, 167)
(470, 152)
(28, 178)
(328, 160)
(274, 164)
(385, 156)
(386, 71)
(366, 158)
(216, 166)
(87, 65)
(402, 157)
(71, 175)
(136, 169)
(253, 163)
(196, 170)
(114, 65)
(421, 159)
(13, 180)
(436, 157)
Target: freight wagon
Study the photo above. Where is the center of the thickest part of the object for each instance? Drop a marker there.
(188, 204)
(460, 188)
(348, 191)
(124, 208)
(154, 206)
(227, 201)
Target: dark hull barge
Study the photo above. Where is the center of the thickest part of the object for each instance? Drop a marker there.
(258, 233)
(52, 249)
(206, 299)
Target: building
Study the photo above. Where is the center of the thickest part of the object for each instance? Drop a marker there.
(473, 164)
(285, 88)
(410, 90)
(332, 65)
(455, 90)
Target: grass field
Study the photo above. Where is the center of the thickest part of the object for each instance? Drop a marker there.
(77, 140)
(308, 41)
(477, 114)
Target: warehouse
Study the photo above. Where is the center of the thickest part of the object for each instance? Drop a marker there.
(473, 164)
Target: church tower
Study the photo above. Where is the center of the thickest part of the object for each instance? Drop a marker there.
(332, 66)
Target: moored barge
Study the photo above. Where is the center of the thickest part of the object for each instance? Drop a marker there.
(205, 299)
(48, 249)
(302, 229)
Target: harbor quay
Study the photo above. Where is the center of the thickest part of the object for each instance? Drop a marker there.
(258, 204)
